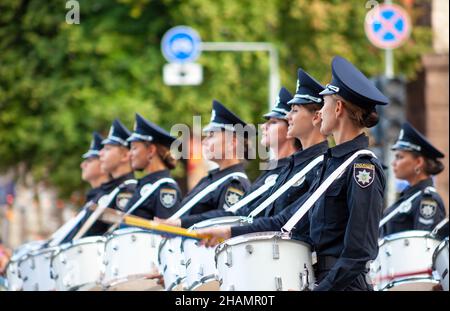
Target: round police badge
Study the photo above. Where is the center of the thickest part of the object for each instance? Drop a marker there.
(168, 197)
(428, 208)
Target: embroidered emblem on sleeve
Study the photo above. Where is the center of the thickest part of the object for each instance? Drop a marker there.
(364, 174)
(428, 208)
(233, 195)
(168, 197)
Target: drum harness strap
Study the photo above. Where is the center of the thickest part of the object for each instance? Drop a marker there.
(58, 236)
(269, 182)
(285, 187)
(405, 206)
(146, 192)
(212, 187)
(103, 203)
(322, 188)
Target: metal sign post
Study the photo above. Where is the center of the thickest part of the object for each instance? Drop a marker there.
(274, 76)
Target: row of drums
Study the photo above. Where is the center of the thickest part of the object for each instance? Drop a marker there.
(130, 258)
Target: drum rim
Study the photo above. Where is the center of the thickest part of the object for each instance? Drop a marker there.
(256, 236)
(409, 280)
(69, 245)
(226, 220)
(38, 252)
(130, 230)
(438, 249)
(407, 234)
(13, 259)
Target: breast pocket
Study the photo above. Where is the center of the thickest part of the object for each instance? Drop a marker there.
(335, 203)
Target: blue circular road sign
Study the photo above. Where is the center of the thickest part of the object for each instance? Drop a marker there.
(387, 26)
(181, 44)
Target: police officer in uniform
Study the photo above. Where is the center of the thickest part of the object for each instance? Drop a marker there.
(91, 171)
(304, 123)
(115, 160)
(223, 134)
(344, 220)
(416, 160)
(274, 137)
(150, 152)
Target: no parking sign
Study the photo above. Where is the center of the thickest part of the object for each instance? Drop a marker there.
(387, 26)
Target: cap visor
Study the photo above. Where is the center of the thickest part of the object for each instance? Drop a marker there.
(110, 142)
(90, 154)
(273, 114)
(327, 92)
(299, 101)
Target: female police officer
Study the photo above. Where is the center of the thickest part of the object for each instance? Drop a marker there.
(344, 220)
(220, 146)
(416, 160)
(157, 194)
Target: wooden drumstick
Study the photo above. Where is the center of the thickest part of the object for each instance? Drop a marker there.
(114, 216)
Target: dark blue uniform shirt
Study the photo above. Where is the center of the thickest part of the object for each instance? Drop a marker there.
(228, 193)
(274, 223)
(189, 220)
(162, 203)
(427, 210)
(344, 221)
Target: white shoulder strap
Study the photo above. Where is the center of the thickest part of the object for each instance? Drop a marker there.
(405, 206)
(103, 203)
(322, 188)
(286, 186)
(211, 187)
(269, 182)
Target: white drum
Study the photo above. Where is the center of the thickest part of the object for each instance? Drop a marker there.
(265, 261)
(201, 272)
(131, 260)
(14, 281)
(34, 270)
(78, 265)
(440, 263)
(171, 263)
(404, 262)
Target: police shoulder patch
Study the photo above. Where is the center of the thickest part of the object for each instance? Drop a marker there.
(364, 174)
(233, 195)
(168, 197)
(427, 208)
(122, 200)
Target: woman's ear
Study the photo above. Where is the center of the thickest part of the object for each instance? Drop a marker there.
(339, 108)
(151, 150)
(317, 118)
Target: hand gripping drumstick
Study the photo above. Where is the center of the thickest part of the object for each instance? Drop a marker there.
(113, 216)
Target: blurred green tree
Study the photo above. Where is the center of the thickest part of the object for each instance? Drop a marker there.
(59, 82)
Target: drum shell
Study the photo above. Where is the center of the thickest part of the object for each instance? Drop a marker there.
(404, 258)
(131, 254)
(441, 263)
(171, 263)
(78, 265)
(199, 260)
(35, 270)
(266, 261)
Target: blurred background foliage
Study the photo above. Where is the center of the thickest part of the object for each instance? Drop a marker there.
(59, 82)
